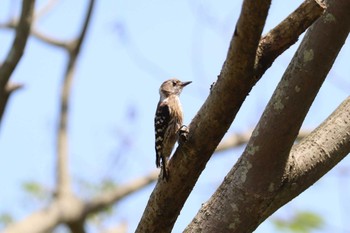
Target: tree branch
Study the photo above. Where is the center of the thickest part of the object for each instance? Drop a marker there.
(9, 89)
(49, 40)
(212, 120)
(237, 77)
(45, 9)
(19, 43)
(317, 154)
(66, 208)
(63, 178)
(77, 226)
(16, 51)
(106, 199)
(44, 221)
(62, 210)
(241, 202)
(38, 35)
(121, 228)
(73, 211)
(286, 34)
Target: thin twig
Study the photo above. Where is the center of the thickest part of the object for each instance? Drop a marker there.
(48, 39)
(12, 24)
(45, 9)
(106, 199)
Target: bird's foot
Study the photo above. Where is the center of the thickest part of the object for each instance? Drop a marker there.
(183, 134)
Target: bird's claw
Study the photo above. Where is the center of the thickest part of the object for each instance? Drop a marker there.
(183, 134)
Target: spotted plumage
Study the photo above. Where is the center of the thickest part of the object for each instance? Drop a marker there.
(168, 119)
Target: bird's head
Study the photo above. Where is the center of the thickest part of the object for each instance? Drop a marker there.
(172, 87)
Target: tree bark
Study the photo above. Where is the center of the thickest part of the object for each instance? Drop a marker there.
(254, 187)
(238, 75)
(314, 156)
(16, 52)
(210, 123)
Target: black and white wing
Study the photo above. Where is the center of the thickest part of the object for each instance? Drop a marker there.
(161, 122)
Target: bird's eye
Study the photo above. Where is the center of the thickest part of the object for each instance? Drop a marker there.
(174, 83)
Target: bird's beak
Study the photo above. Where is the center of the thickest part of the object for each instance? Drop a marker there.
(185, 83)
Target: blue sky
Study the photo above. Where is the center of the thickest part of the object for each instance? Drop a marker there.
(130, 49)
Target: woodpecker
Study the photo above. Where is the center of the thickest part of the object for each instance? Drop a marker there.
(168, 120)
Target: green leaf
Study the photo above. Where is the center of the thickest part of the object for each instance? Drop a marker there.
(107, 185)
(301, 222)
(5, 219)
(35, 190)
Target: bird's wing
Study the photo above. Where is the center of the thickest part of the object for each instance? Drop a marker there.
(161, 122)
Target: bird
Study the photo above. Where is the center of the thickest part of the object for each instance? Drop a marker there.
(167, 122)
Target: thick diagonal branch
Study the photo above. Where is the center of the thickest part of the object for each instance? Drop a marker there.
(248, 193)
(210, 123)
(237, 77)
(16, 51)
(318, 153)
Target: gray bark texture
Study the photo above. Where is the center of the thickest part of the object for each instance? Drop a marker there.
(271, 172)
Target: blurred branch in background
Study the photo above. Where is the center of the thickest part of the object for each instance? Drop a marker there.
(40, 13)
(65, 207)
(15, 53)
(73, 50)
(121, 228)
(73, 211)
